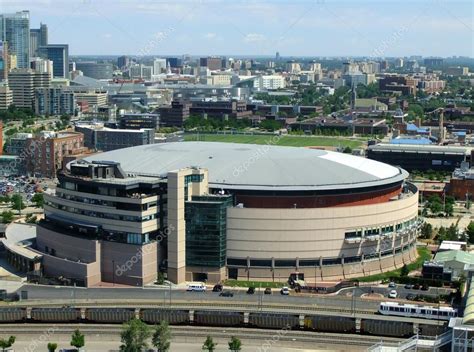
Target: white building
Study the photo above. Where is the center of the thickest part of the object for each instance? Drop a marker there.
(159, 66)
(269, 82)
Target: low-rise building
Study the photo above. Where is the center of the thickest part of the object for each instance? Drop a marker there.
(47, 150)
(455, 261)
(98, 137)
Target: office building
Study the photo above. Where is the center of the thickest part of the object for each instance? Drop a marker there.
(174, 115)
(159, 66)
(212, 63)
(11, 61)
(38, 38)
(399, 63)
(141, 71)
(95, 70)
(15, 30)
(48, 150)
(4, 68)
(270, 82)
(59, 54)
(174, 62)
(136, 121)
(41, 65)
(18, 143)
(209, 223)
(292, 67)
(93, 98)
(54, 102)
(23, 83)
(6, 97)
(123, 62)
(98, 137)
(457, 71)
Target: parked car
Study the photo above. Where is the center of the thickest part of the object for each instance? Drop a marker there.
(425, 287)
(393, 294)
(416, 286)
(268, 291)
(251, 290)
(285, 291)
(217, 288)
(392, 284)
(409, 286)
(226, 294)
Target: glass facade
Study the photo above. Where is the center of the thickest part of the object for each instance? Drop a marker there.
(206, 226)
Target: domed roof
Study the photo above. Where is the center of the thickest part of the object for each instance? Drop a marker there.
(257, 167)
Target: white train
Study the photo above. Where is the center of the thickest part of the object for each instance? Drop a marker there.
(417, 311)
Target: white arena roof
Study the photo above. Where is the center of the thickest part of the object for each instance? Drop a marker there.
(257, 167)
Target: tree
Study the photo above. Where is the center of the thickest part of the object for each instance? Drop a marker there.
(77, 339)
(209, 344)
(7, 216)
(270, 125)
(404, 270)
(347, 150)
(234, 344)
(470, 232)
(162, 337)
(134, 335)
(52, 346)
(38, 199)
(426, 231)
(4, 344)
(160, 280)
(17, 202)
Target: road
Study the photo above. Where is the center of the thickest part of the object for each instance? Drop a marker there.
(401, 291)
(38, 292)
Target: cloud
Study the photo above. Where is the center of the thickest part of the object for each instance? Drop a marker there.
(106, 35)
(210, 36)
(254, 37)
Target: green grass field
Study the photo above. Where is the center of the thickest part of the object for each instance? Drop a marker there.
(292, 141)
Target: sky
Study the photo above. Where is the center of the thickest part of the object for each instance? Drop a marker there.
(256, 27)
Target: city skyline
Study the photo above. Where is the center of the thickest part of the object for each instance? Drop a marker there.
(301, 28)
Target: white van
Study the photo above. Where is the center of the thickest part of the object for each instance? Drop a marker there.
(196, 286)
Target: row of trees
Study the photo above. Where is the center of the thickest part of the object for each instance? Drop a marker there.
(77, 340)
(135, 334)
(436, 205)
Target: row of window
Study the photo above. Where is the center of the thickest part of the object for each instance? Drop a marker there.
(283, 263)
(359, 233)
(106, 203)
(97, 214)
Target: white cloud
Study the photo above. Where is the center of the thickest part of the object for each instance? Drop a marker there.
(254, 37)
(106, 35)
(210, 36)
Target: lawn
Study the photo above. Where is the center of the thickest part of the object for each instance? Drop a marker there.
(292, 141)
(423, 255)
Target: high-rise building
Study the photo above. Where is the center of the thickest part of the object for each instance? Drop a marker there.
(6, 97)
(12, 62)
(123, 62)
(212, 63)
(399, 63)
(23, 83)
(54, 101)
(174, 62)
(59, 54)
(38, 38)
(159, 66)
(3, 61)
(41, 65)
(15, 30)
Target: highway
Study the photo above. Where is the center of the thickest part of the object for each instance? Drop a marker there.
(401, 290)
(54, 293)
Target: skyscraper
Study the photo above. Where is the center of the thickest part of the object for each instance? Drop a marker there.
(3, 61)
(38, 37)
(59, 55)
(15, 30)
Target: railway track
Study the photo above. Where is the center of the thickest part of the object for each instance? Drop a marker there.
(216, 305)
(202, 332)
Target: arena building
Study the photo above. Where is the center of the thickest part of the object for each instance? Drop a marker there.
(211, 211)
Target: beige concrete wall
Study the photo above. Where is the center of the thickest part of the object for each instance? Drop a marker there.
(69, 247)
(55, 267)
(128, 264)
(309, 233)
(328, 273)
